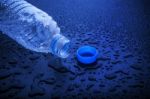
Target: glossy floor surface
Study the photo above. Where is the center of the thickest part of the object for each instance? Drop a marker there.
(119, 29)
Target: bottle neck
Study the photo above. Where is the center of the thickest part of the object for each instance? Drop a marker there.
(60, 46)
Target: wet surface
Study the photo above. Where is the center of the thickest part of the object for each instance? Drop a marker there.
(118, 29)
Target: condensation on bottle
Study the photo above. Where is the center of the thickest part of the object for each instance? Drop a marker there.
(32, 28)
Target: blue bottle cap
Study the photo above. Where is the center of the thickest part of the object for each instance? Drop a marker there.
(87, 54)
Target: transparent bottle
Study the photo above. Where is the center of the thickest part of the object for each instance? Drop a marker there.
(32, 28)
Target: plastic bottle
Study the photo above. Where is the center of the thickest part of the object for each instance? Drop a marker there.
(32, 28)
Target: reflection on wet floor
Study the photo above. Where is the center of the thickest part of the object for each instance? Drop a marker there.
(121, 70)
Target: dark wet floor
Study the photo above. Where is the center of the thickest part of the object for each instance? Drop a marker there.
(119, 29)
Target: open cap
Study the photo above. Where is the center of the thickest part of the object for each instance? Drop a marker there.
(87, 54)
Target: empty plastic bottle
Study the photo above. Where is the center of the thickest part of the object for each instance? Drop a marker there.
(32, 28)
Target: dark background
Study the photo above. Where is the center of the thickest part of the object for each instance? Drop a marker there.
(119, 29)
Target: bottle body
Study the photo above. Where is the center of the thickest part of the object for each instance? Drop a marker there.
(32, 28)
